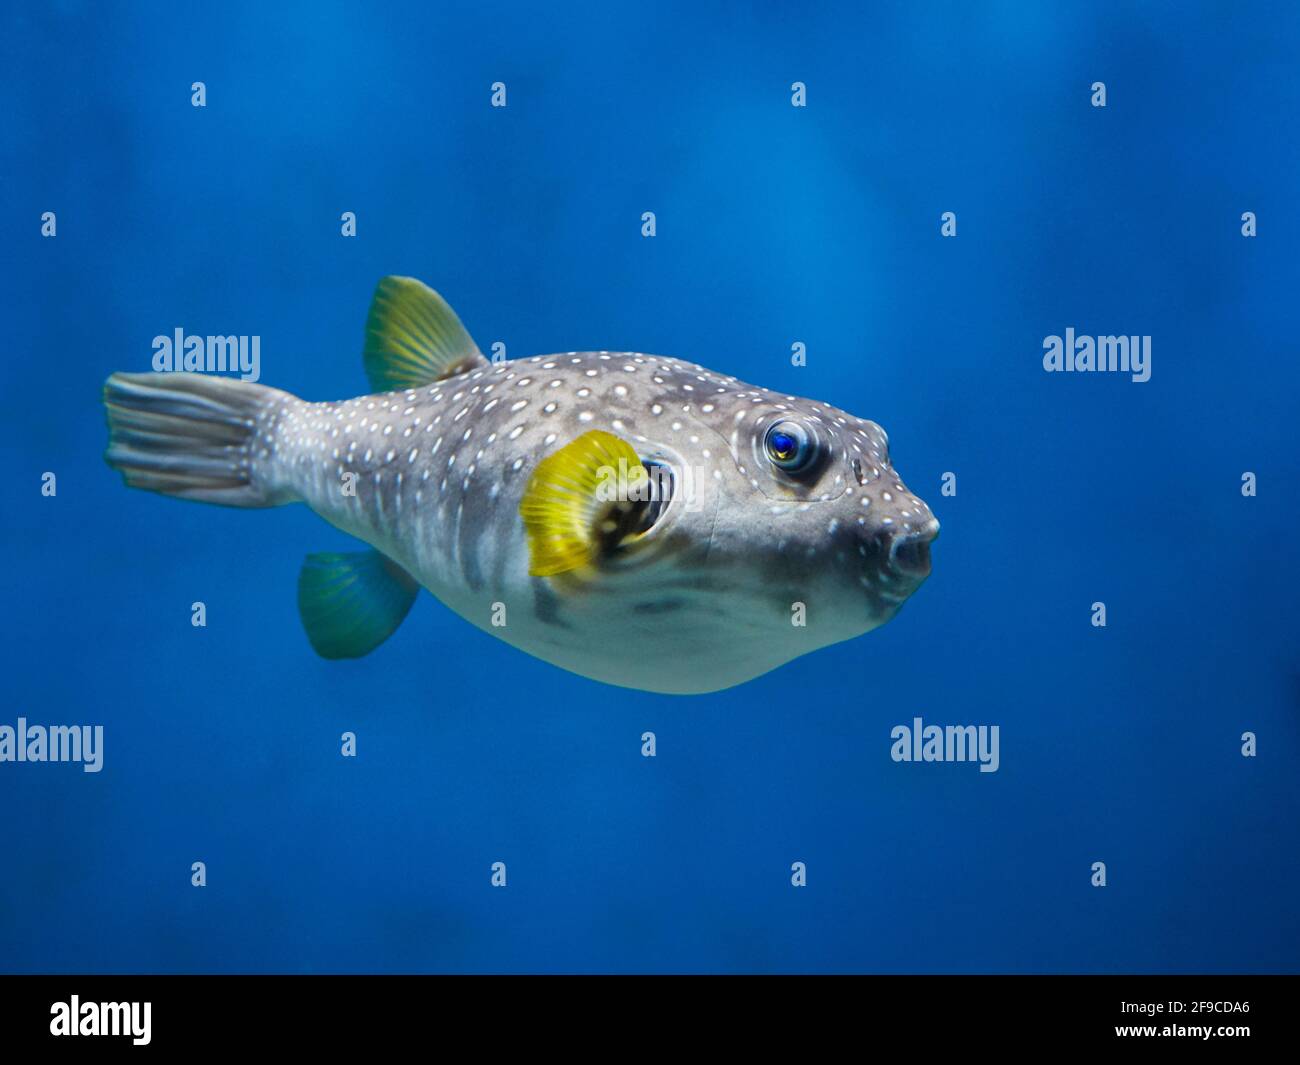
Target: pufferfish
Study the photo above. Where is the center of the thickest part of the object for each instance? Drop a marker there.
(636, 519)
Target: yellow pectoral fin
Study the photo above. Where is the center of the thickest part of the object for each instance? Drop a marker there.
(569, 496)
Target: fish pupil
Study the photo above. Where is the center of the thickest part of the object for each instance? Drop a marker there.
(784, 446)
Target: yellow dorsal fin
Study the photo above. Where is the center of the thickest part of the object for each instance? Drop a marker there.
(570, 494)
(413, 338)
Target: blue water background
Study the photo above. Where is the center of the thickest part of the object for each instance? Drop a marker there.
(775, 224)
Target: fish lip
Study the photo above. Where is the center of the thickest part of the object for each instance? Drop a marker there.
(892, 576)
(909, 555)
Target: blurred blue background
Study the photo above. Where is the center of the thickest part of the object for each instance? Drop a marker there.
(775, 225)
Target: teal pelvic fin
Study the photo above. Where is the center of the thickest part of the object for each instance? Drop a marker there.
(351, 603)
(414, 338)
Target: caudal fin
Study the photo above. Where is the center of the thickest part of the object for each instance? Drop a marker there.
(191, 435)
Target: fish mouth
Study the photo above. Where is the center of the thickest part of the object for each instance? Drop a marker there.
(909, 554)
(911, 557)
(898, 564)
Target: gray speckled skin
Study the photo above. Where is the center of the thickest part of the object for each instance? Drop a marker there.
(701, 602)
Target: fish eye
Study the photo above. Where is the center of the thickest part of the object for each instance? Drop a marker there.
(789, 447)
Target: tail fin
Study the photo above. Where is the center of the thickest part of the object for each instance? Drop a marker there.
(191, 435)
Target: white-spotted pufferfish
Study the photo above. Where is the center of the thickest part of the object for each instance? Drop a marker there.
(636, 519)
